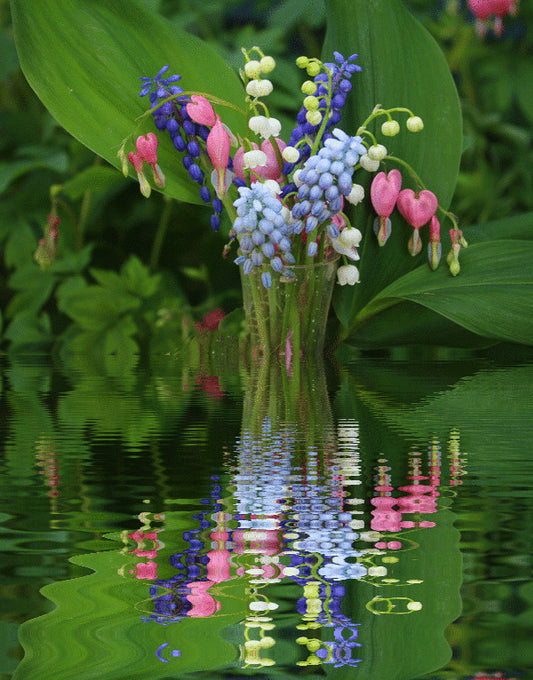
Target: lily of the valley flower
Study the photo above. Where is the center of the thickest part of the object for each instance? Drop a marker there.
(261, 168)
(348, 274)
(356, 195)
(265, 127)
(347, 242)
(368, 164)
(218, 147)
(259, 88)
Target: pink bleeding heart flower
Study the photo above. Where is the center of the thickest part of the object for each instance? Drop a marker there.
(201, 111)
(147, 148)
(483, 9)
(272, 168)
(218, 147)
(384, 193)
(417, 211)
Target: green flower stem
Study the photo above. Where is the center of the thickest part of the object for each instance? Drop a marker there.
(161, 231)
(262, 315)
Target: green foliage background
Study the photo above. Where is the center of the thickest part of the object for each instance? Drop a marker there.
(134, 274)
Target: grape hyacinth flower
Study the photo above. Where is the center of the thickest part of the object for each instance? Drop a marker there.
(262, 232)
(324, 180)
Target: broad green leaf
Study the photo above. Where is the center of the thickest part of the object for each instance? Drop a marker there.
(518, 227)
(8, 55)
(402, 66)
(95, 54)
(492, 296)
(408, 324)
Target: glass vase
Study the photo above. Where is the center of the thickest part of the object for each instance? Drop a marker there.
(289, 318)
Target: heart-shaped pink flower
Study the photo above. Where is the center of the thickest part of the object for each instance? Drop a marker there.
(201, 111)
(417, 210)
(384, 192)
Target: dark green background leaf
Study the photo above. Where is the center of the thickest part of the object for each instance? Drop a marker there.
(94, 54)
(402, 66)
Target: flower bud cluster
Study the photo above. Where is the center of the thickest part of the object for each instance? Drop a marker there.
(254, 69)
(327, 94)
(47, 248)
(188, 136)
(263, 232)
(325, 179)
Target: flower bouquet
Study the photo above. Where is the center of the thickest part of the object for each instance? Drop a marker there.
(286, 201)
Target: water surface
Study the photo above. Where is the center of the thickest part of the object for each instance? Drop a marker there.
(168, 523)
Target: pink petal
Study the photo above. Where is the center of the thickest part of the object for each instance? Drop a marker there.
(384, 192)
(218, 148)
(147, 148)
(201, 111)
(137, 161)
(417, 210)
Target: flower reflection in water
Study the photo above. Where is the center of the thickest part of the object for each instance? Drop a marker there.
(286, 512)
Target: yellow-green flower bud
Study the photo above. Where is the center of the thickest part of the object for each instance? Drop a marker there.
(377, 152)
(311, 103)
(313, 69)
(309, 87)
(268, 64)
(302, 62)
(390, 128)
(313, 117)
(123, 157)
(415, 124)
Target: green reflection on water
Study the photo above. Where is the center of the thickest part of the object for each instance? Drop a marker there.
(96, 629)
